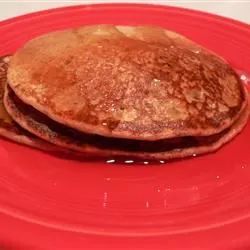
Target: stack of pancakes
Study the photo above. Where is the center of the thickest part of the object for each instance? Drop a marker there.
(120, 91)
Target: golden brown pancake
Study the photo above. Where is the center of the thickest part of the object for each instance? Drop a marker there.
(139, 83)
(45, 128)
(10, 129)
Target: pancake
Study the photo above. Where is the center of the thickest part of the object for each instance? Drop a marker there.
(138, 83)
(49, 130)
(10, 129)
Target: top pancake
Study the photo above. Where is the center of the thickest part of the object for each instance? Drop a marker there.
(130, 82)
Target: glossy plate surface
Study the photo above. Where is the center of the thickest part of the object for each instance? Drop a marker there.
(198, 203)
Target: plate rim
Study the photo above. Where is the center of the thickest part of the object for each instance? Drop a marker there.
(14, 20)
(156, 6)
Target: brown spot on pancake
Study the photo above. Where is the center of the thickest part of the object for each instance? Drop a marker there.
(194, 95)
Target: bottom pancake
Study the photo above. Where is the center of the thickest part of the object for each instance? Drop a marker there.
(10, 129)
(42, 126)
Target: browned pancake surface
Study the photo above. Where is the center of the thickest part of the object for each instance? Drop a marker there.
(140, 83)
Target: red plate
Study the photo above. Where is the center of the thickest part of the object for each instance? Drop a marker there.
(199, 203)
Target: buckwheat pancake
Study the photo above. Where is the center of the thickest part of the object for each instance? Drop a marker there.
(138, 83)
(10, 129)
(45, 128)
